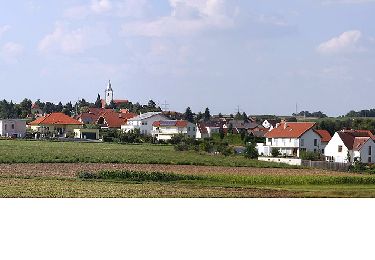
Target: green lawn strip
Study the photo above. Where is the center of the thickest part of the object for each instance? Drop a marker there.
(14, 151)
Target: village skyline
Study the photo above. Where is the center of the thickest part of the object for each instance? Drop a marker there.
(263, 57)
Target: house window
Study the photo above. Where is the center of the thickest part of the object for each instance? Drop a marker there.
(340, 148)
(369, 150)
(322, 151)
(6, 126)
(189, 128)
(302, 142)
(270, 140)
(315, 142)
(369, 159)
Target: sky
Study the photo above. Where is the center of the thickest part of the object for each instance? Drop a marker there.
(261, 56)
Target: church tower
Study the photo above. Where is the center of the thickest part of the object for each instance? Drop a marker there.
(109, 94)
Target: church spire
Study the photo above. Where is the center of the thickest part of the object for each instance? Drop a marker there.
(109, 86)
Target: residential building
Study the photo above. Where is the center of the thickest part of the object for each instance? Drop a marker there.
(15, 128)
(270, 124)
(325, 138)
(206, 129)
(57, 124)
(143, 122)
(166, 129)
(105, 118)
(86, 133)
(291, 138)
(36, 111)
(348, 146)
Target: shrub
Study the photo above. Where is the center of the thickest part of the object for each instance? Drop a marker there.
(181, 147)
(251, 152)
(275, 152)
(312, 156)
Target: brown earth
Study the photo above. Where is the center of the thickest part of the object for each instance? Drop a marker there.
(71, 169)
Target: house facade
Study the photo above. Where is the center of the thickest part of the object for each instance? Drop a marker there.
(325, 138)
(166, 129)
(15, 128)
(292, 138)
(57, 124)
(143, 122)
(349, 146)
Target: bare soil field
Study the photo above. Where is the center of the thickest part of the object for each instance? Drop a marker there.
(69, 170)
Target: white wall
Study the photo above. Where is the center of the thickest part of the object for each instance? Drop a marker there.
(290, 161)
(144, 125)
(332, 149)
(364, 152)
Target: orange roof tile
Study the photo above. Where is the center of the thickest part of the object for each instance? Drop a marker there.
(325, 135)
(290, 130)
(56, 119)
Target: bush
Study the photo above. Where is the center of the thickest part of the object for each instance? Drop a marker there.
(275, 152)
(311, 156)
(251, 152)
(181, 147)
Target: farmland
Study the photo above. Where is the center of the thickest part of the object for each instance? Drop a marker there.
(62, 180)
(68, 152)
(65, 170)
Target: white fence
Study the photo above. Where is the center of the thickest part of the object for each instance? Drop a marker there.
(290, 161)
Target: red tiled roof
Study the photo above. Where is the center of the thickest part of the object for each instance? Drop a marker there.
(325, 135)
(114, 119)
(290, 130)
(177, 123)
(56, 119)
(116, 101)
(355, 139)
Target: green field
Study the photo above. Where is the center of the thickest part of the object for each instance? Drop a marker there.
(68, 152)
(145, 185)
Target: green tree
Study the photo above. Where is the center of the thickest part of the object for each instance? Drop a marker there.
(251, 152)
(98, 102)
(25, 107)
(207, 115)
(188, 115)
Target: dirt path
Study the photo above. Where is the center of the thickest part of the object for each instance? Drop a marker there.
(70, 169)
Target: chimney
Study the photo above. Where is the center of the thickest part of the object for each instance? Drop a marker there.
(285, 125)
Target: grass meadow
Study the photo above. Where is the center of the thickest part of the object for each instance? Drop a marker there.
(14, 151)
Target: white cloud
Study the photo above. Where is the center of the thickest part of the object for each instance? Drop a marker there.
(346, 42)
(186, 17)
(11, 52)
(120, 8)
(326, 2)
(73, 41)
(101, 6)
(4, 29)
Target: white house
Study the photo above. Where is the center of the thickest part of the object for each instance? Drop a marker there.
(206, 129)
(291, 138)
(12, 128)
(325, 138)
(269, 124)
(143, 122)
(166, 129)
(349, 146)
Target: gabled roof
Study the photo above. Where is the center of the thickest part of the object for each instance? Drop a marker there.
(145, 116)
(325, 135)
(241, 124)
(355, 139)
(290, 130)
(114, 119)
(56, 119)
(202, 128)
(164, 123)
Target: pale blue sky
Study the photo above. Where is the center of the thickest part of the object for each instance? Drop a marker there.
(261, 55)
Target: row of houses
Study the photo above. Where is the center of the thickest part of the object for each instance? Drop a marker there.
(346, 146)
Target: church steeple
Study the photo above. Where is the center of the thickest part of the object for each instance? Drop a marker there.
(109, 94)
